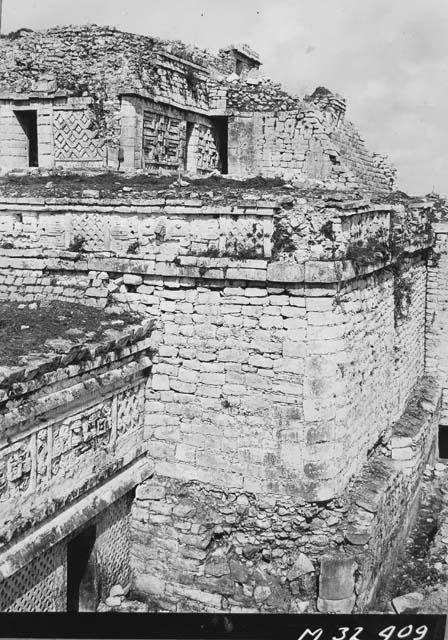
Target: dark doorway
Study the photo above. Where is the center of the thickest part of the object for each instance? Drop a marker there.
(82, 574)
(443, 442)
(187, 154)
(28, 122)
(221, 132)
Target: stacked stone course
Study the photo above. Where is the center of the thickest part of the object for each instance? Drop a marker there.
(278, 390)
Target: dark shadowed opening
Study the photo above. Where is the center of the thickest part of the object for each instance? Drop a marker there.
(443, 442)
(28, 122)
(221, 134)
(190, 127)
(82, 573)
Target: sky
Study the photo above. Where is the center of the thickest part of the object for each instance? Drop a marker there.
(388, 58)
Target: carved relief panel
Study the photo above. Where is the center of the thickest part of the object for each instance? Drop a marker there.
(65, 449)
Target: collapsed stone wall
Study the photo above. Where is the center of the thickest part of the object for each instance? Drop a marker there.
(197, 547)
(369, 169)
(294, 143)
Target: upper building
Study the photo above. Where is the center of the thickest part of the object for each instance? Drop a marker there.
(96, 97)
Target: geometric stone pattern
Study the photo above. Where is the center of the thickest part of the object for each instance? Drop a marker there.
(39, 586)
(113, 544)
(54, 451)
(161, 139)
(207, 155)
(74, 137)
(130, 408)
(91, 227)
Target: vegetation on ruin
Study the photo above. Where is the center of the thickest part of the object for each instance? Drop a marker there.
(77, 245)
(281, 239)
(370, 251)
(193, 82)
(133, 247)
(71, 185)
(24, 330)
(403, 288)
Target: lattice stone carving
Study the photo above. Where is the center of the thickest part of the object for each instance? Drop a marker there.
(93, 228)
(207, 154)
(39, 587)
(113, 544)
(130, 408)
(75, 137)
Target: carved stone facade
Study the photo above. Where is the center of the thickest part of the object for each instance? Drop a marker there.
(128, 101)
(74, 452)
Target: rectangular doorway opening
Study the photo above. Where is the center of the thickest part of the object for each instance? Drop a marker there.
(221, 135)
(443, 442)
(188, 155)
(28, 121)
(82, 572)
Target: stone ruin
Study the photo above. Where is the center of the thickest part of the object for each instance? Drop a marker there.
(94, 97)
(216, 395)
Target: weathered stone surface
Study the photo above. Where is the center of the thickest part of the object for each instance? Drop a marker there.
(336, 580)
(408, 603)
(336, 606)
(302, 566)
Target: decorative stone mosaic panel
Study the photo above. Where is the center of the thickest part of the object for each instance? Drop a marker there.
(207, 154)
(75, 138)
(93, 228)
(161, 139)
(113, 544)
(39, 587)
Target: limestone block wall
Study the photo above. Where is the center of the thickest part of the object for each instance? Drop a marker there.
(367, 167)
(291, 143)
(279, 143)
(274, 386)
(67, 133)
(437, 315)
(282, 135)
(384, 499)
(13, 140)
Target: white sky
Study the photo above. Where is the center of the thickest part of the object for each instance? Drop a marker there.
(389, 58)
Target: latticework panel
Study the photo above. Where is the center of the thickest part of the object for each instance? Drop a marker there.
(91, 227)
(113, 544)
(75, 137)
(131, 406)
(207, 154)
(39, 587)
